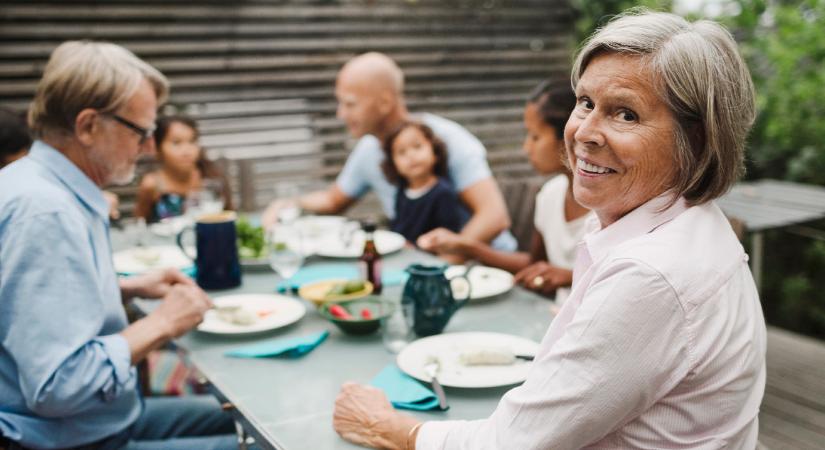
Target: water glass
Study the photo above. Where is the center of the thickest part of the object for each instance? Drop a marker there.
(285, 253)
(207, 200)
(288, 192)
(396, 330)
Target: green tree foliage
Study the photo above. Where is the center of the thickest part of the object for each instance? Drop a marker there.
(593, 14)
(784, 44)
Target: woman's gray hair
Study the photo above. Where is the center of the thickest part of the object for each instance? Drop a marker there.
(85, 74)
(702, 78)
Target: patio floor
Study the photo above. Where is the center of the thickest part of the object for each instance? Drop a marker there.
(793, 410)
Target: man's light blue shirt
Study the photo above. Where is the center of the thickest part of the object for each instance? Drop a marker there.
(466, 161)
(65, 373)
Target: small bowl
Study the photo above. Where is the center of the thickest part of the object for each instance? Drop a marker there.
(317, 292)
(378, 307)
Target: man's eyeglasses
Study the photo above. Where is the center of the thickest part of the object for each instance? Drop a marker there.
(144, 133)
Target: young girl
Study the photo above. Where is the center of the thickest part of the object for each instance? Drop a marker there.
(558, 219)
(184, 170)
(416, 162)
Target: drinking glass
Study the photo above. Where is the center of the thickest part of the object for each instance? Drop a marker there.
(287, 192)
(396, 330)
(285, 253)
(207, 200)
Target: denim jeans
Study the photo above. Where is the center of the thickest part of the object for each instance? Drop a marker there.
(178, 423)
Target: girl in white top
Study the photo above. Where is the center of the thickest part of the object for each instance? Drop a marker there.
(559, 219)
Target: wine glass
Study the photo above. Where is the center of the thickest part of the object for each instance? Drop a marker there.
(207, 200)
(285, 253)
(287, 192)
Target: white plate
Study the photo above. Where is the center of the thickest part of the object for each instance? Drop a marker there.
(282, 312)
(333, 246)
(138, 260)
(485, 282)
(448, 347)
(171, 226)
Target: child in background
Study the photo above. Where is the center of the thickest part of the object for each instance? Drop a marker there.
(558, 220)
(183, 171)
(14, 136)
(416, 162)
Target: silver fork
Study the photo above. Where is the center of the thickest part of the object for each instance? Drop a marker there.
(431, 368)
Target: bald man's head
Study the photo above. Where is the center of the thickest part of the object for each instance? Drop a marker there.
(370, 90)
(377, 70)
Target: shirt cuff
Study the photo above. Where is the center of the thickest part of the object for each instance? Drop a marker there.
(120, 357)
(433, 435)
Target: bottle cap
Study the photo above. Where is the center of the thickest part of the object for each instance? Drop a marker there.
(368, 226)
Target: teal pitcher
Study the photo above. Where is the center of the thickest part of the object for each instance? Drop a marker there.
(428, 299)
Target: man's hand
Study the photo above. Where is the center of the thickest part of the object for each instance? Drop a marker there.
(544, 278)
(114, 203)
(271, 213)
(442, 240)
(155, 284)
(182, 309)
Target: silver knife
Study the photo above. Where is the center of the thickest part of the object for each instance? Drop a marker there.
(431, 368)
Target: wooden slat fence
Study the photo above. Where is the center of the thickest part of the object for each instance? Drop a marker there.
(473, 61)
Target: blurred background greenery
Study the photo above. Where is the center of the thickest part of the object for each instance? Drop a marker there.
(783, 42)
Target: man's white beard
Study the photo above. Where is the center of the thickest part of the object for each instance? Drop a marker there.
(126, 177)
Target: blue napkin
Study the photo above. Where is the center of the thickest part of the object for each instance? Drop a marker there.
(392, 277)
(288, 347)
(320, 272)
(191, 272)
(403, 391)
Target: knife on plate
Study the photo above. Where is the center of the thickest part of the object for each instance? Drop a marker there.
(431, 368)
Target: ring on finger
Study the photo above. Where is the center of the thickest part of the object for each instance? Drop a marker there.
(538, 281)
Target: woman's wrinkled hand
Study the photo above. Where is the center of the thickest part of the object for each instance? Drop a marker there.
(544, 278)
(364, 416)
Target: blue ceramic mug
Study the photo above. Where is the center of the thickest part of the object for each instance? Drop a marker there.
(217, 250)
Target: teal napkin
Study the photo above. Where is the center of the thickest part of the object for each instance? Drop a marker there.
(394, 277)
(190, 271)
(403, 391)
(320, 272)
(288, 347)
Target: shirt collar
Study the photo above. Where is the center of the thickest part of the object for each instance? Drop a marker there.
(641, 220)
(71, 176)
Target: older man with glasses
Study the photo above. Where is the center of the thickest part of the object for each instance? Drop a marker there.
(67, 354)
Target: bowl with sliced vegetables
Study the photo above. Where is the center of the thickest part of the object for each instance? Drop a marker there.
(358, 317)
(337, 290)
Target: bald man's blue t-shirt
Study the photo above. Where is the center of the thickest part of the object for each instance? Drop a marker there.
(466, 161)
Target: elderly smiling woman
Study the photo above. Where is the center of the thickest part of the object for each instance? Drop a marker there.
(661, 344)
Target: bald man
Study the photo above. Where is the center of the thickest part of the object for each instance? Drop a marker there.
(370, 93)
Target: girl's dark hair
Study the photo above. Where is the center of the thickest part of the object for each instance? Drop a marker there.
(439, 149)
(14, 133)
(207, 168)
(555, 100)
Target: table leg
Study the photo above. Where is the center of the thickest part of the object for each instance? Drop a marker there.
(758, 248)
(241, 436)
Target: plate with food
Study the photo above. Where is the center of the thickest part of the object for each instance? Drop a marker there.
(352, 245)
(252, 250)
(471, 359)
(338, 290)
(485, 282)
(142, 259)
(251, 313)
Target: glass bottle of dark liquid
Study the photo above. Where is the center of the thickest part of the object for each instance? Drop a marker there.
(370, 258)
